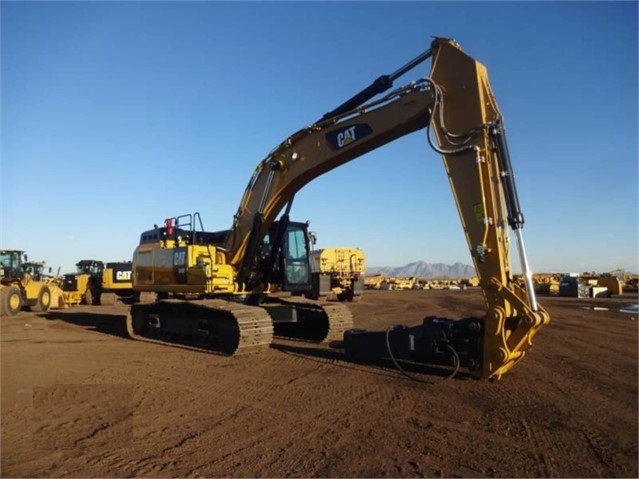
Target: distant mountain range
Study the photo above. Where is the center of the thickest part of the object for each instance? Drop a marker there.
(422, 269)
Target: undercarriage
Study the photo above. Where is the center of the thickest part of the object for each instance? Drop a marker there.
(230, 328)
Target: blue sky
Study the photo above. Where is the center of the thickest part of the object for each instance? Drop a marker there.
(116, 115)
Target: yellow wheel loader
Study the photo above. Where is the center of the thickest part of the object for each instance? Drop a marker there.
(79, 287)
(96, 283)
(18, 288)
(40, 272)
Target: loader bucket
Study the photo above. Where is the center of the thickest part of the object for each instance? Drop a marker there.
(57, 298)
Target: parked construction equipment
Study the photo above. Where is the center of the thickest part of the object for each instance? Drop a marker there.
(337, 273)
(95, 283)
(18, 288)
(376, 281)
(41, 272)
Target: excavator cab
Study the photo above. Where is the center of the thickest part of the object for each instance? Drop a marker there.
(296, 258)
(291, 265)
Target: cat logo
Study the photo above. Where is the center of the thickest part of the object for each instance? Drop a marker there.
(179, 258)
(346, 136)
(342, 137)
(123, 276)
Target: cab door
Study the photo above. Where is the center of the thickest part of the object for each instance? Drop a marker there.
(295, 259)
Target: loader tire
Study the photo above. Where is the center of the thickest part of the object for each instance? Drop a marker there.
(146, 297)
(10, 301)
(91, 298)
(109, 299)
(44, 300)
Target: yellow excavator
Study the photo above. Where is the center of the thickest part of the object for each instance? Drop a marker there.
(216, 290)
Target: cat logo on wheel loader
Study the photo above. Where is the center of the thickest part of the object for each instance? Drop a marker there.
(18, 288)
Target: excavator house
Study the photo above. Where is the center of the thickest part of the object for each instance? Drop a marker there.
(232, 291)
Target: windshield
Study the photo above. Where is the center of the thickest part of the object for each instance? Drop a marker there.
(296, 260)
(89, 268)
(10, 259)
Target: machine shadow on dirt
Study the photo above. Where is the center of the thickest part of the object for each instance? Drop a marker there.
(111, 324)
(115, 325)
(421, 372)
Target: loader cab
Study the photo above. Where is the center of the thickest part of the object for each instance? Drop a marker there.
(89, 266)
(88, 273)
(11, 264)
(37, 271)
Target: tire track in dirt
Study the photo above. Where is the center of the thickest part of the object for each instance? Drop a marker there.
(296, 405)
(544, 449)
(78, 416)
(604, 449)
(160, 451)
(221, 443)
(224, 392)
(561, 441)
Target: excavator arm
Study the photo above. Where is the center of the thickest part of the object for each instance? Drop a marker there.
(471, 138)
(456, 107)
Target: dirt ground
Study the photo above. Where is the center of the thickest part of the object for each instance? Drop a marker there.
(80, 399)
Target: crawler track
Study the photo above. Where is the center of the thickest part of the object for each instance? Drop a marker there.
(210, 325)
(318, 322)
(232, 328)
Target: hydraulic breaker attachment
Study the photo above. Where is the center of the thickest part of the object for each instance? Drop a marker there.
(438, 341)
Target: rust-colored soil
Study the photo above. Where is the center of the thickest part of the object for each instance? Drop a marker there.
(80, 399)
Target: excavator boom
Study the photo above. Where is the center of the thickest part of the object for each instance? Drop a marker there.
(318, 149)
